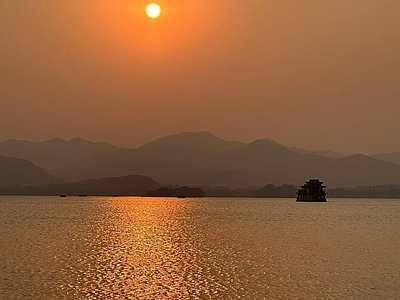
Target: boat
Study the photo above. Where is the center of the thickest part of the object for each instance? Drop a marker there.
(312, 191)
(63, 196)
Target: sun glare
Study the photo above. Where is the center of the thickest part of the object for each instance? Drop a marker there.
(153, 10)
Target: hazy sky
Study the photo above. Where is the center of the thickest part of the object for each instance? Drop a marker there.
(310, 73)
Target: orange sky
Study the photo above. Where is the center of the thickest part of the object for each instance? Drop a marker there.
(313, 74)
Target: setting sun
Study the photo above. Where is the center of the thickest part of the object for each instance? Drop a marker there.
(153, 10)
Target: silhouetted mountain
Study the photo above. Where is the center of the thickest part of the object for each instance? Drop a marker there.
(178, 160)
(174, 157)
(277, 164)
(132, 185)
(54, 154)
(15, 171)
(326, 152)
(171, 163)
(390, 157)
(200, 141)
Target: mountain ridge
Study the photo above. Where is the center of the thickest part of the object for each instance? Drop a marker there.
(202, 140)
(253, 164)
(200, 158)
(393, 157)
(55, 153)
(16, 171)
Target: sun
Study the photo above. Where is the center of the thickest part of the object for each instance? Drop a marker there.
(153, 10)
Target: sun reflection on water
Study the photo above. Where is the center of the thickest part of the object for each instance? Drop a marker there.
(144, 251)
(142, 248)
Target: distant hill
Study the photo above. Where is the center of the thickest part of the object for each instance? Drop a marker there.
(264, 161)
(15, 171)
(55, 154)
(390, 157)
(188, 159)
(326, 152)
(202, 159)
(200, 141)
(167, 158)
(132, 185)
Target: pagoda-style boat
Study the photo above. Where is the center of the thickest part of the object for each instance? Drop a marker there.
(312, 191)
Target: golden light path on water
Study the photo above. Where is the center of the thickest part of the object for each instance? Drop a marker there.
(155, 248)
(156, 251)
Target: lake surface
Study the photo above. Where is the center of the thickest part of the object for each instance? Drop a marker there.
(156, 248)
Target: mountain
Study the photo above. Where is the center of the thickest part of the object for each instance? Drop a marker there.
(266, 162)
(390, 157)
(325, 152)
(131, 185)
(55, 154)
(200, 141)
(202, 159)
(15, 171)
(174, 158)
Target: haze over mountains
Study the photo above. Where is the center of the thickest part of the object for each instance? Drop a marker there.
(391, 157)
(16, 171)
(199, 159)
(54, 154)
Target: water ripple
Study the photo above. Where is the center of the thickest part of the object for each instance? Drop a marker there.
(139, 248)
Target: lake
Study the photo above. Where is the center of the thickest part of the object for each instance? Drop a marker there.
(157, 248)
